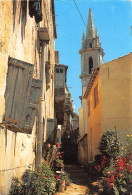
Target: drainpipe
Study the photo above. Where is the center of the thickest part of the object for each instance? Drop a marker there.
(41, 106)
(44, 39)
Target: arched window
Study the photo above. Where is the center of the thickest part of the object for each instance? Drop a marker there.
(90, 65)
(90, 45)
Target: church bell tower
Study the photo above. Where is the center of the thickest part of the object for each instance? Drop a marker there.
(91, 52)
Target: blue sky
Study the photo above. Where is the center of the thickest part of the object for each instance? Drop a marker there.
(112, 18)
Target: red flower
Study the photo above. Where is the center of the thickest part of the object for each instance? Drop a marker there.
(119, 176)
(62, 181)
(60, 156)
(56, 155)
(57, 178)
(38, 169)
(128, 169)
(108, 173)
(122, 159)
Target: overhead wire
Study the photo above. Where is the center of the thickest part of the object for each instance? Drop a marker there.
(79, 13)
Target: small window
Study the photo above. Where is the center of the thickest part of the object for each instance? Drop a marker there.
(96, 96)
(61, 70)
(88, 108)
(57, 70)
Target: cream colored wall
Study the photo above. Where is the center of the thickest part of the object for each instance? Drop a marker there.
(81, 122)
(94, 121)
(17, 150)
(116, 86)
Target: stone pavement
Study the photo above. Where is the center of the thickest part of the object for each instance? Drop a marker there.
(79, 181)
(82, 182)
(74, 189)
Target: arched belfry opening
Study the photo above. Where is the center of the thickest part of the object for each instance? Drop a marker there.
(90, 65)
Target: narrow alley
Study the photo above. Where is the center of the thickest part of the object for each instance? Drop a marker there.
(82, 183)
(65, 97)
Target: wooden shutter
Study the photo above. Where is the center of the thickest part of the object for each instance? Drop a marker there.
(50, 130)
(19, 95)
(32, 105)
(18, 87)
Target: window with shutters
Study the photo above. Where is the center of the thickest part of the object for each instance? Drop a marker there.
(21, 96)
(95, 96)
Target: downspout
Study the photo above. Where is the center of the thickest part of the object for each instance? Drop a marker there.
(41, 105)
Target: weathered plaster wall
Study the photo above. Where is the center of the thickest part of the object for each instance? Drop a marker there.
(17, 32)
(18, 39)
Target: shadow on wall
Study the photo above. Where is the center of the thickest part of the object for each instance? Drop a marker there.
(22, 16)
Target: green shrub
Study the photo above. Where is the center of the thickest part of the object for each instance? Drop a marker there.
(38, 182)
(109, 145)
(41, 181)
(117, 174)
(15, 187)
(98, 159)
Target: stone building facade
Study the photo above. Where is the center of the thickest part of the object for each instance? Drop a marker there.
(28, 39)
